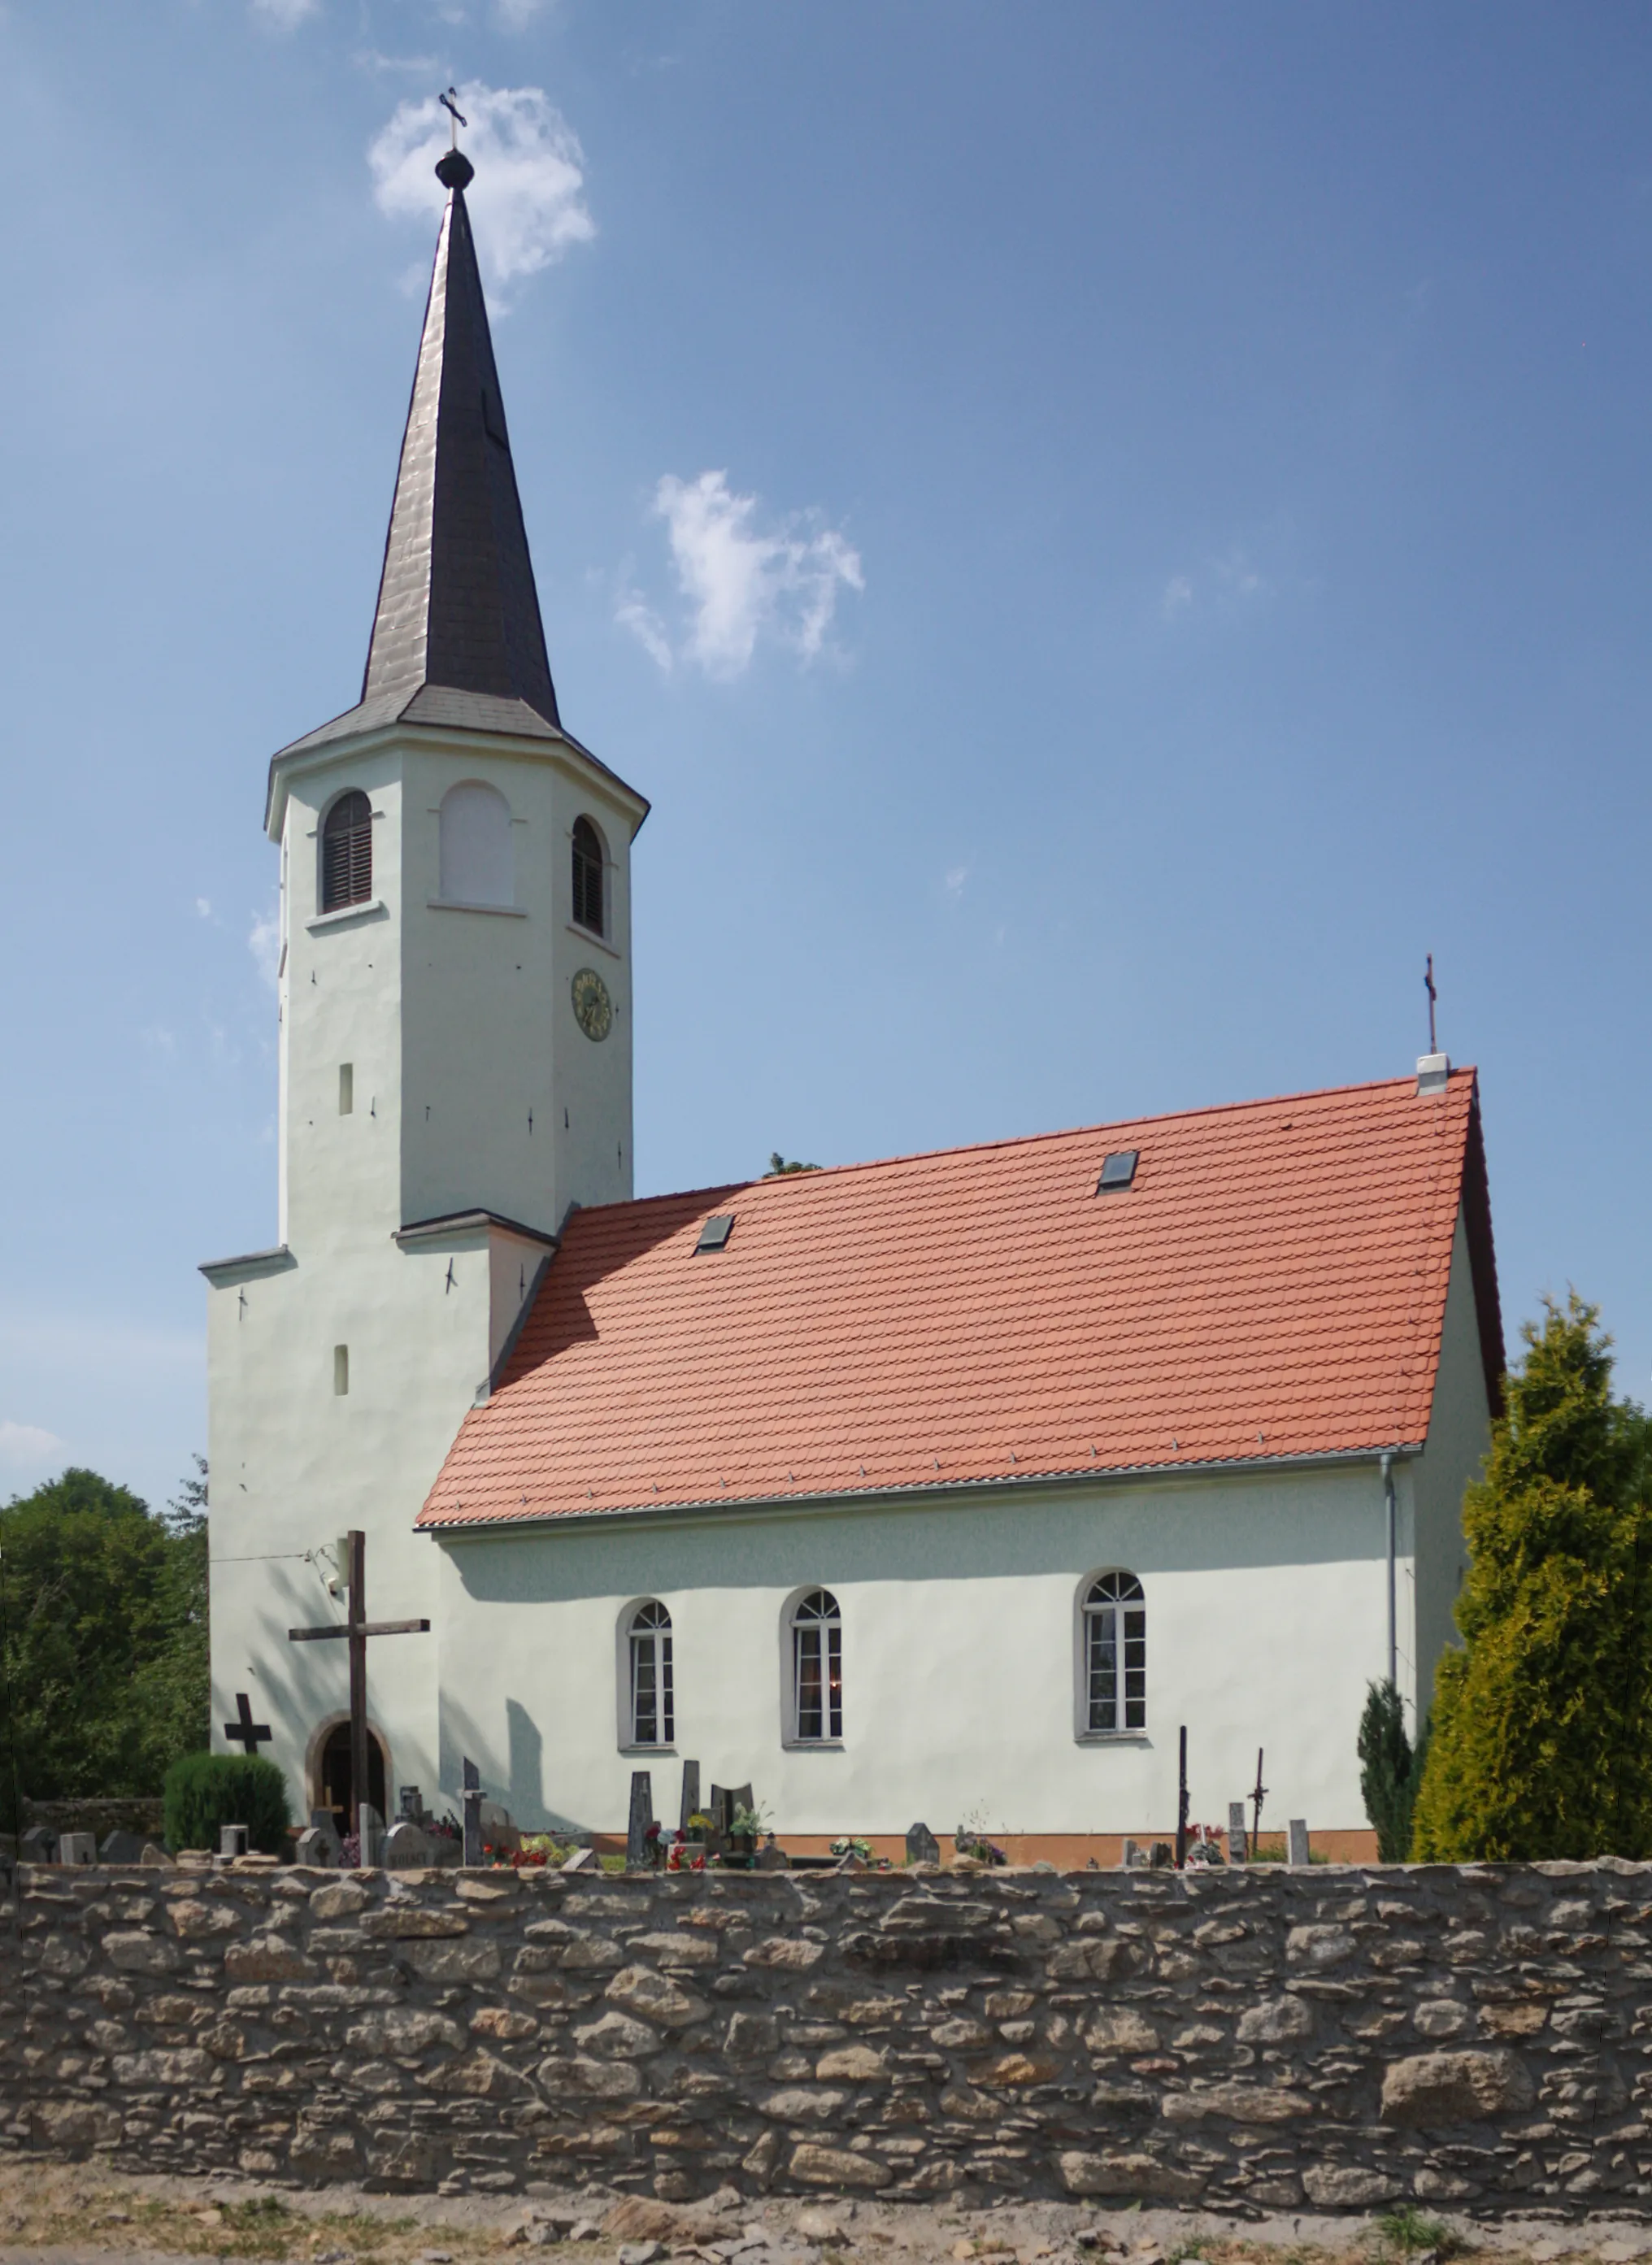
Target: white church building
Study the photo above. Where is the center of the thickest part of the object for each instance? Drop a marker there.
(951, 1486)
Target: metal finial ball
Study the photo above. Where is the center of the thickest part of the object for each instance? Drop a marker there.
(455, 171)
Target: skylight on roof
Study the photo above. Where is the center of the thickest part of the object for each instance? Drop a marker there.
(1117, 1170)
(715, 1231)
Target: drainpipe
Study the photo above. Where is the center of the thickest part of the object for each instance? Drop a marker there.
(1388, 1505)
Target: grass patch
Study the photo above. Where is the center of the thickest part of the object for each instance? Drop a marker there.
(1407, 2232)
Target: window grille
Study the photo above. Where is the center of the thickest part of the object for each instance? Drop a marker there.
(817, 1654)
(347, 854)
(653, 1710)
(1116, 1654)
(587, 876)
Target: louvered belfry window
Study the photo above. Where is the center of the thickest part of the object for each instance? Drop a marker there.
(587, 876)
(347, 854)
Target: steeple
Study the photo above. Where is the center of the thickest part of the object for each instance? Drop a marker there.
(457, 607)
(457, 638)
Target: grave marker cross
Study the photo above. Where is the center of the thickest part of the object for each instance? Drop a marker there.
(247, 1733)
(355, 1631)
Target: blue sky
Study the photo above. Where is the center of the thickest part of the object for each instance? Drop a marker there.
(1105, 532)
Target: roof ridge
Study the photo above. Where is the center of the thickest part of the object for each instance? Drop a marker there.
(1025, 1140)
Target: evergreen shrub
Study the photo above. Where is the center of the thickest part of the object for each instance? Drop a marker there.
(1390, 1773)
(204, 1791)
(1542, 1744)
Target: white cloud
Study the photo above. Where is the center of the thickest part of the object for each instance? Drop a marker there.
(264, 942)
(285, 15)
(517, 15)
(956, 878)
(741, 581)
(26, 1446)
(530, 171)
(203, 907)
(1226, 582)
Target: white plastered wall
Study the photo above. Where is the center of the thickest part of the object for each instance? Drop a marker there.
(1267, 1617)
(1459, 1433)
(469, 1014)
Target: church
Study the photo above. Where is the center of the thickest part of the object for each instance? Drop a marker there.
(946, 1488)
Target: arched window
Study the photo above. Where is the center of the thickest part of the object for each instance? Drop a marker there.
(651, 1710)
(587, 876)
(816, 1667)
(346, 853)
(478, 866)
(1115, 1667)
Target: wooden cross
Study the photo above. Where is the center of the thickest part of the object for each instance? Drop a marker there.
(355, 1631)
(243, 1728)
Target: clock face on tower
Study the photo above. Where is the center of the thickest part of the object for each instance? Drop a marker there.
(592, 1008)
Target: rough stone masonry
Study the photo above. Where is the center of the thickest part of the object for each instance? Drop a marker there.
(1478, 2036)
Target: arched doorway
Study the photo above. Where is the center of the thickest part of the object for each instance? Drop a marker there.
(334, 1789)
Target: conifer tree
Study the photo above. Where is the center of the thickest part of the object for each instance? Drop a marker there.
(1390, 1771)
(1540, 1722)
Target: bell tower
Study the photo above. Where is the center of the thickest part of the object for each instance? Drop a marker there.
(455, 1057)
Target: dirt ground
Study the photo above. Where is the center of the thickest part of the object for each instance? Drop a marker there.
(59, 2214)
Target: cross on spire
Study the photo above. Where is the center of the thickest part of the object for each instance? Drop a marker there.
(247, 1733)
(450, 103)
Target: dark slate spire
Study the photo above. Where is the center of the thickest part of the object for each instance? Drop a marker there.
(457, 639)
(457, 605)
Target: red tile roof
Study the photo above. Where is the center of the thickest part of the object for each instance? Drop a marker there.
(1272, 1283)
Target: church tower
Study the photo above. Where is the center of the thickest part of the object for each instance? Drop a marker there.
(455, 1070)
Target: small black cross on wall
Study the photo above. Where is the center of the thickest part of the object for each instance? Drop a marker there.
(245, 1731)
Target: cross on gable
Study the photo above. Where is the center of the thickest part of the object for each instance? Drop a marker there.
(243, 1730)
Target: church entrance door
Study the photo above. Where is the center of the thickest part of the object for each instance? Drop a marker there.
(335, 1790)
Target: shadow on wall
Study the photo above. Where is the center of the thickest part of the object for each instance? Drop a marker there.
(521, 1787)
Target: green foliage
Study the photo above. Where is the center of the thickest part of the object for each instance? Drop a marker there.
(1541, 1747)
(778, 1168)
(103, 1636)
(1390, 1773)
(1408, 2232)
(204, 1791)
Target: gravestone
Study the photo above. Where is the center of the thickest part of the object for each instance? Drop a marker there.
(471, 1798)
(739, 1797)
(323, 1822)
(154, 1853)
(406, 1846)
(1130, 1856)
(638, 1855)
(498, 1829)
(583, 1860)
(771, 1857)
(40, 1845)
(1235, 1832)
(77, 1848)
(412, 1804)
(1297, 1839)
(232, 1840)
(690, 1794)
(372, 1849)
(121, 1847)
(1163, 1857)
(923, 1847)
(316, 1848)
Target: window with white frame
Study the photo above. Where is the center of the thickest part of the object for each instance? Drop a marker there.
(817, 1668)
(1115, 1663)
(651, 1723)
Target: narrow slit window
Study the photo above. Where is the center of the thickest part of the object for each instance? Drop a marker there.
(347, 854)
(587, 876)
(817, 1661)
(341, 1370)
(1114, 1654)
(347, 1089)
(653, 1709)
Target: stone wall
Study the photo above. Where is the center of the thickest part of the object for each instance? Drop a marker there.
(1475, 2036)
